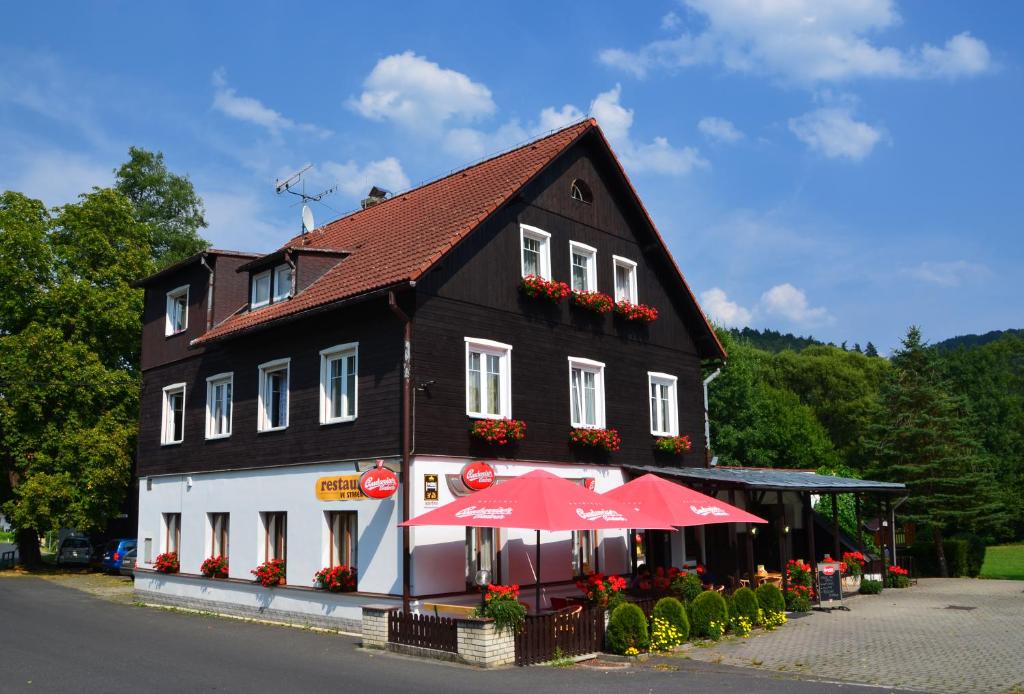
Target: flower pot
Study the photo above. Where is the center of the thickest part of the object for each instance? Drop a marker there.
(851, 584)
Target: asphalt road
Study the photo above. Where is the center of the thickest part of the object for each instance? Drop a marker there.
(56, 639)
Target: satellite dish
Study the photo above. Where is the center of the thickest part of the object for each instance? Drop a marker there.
(307, 219)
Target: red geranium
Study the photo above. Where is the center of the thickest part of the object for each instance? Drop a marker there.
(215, 567)
(336, 579)
(636, 312)
(270, 573)
(593, 301)
(499, 431)
(677, 445)
(603, 439)
(167, 563)
(538, 287)
(598, 588)
(854, 563)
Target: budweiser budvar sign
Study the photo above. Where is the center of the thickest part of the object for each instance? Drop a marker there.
(477, 475)
(378, 483)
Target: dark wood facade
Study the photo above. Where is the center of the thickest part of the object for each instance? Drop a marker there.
(471, 292)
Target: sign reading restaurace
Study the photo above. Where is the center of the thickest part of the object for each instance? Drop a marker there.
(829, 584)
(339, 488)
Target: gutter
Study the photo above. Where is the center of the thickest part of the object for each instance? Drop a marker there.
(406, 442)
(209, 292)
(707, 421)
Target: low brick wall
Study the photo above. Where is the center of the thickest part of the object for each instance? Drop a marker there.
(479, 641)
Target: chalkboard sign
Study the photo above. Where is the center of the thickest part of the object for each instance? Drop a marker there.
(830, 586)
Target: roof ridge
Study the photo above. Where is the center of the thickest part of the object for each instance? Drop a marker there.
(588, 120)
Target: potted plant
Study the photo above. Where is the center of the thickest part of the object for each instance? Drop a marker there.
(852, 568)
(593, 301)
(270, 573)
(898, 577)
(499, 432)
(636, 313)
(215, 567)
(602, 591)
(606, 440)
(673, 445)
(800, 590)
(167, 563)
(536, 287)
(336, 579)
(501, 603)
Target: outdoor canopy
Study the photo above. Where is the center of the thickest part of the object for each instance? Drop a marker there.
(680, 505)
(539, 500)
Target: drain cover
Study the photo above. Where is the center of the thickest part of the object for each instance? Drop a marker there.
(960, 607)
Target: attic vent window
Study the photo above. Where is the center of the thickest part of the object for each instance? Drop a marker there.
(581, 191)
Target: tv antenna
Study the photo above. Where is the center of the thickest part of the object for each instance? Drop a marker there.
(288, 185)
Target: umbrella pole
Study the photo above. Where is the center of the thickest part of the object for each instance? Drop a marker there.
(537, 603)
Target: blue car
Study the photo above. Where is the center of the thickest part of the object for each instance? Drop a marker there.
(113, 553)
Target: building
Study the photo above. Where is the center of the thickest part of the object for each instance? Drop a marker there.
(272, 382)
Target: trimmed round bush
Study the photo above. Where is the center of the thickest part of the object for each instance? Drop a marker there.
(869, 587)
(769, 597)
(627, 628)
(673, 612)
(687, 587)
(744, 604)
(707, 607)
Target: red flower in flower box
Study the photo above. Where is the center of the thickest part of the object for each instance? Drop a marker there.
(167, 563)
(336, 579)
(638, 313)
(499, 432)
(270, 573)
(676, 445)
(539, 288)
(593, 301)
(215, 567)
(602, 439)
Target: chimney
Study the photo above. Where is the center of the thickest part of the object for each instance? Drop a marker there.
(375, 196)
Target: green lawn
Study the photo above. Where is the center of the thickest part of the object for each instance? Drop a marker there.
(1004, 561)
(6, 537)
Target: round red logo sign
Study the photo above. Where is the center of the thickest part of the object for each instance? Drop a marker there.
(828, 570)
(378, 483)
(477, 475)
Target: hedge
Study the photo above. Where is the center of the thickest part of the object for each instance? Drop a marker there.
(627, 628)
(769, 597)
(744, 604)
(707, 607)
(964, 555)
(672, 611)
(869, 587)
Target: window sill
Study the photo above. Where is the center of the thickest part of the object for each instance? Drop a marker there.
(477, 415)
(588, 426)
(340, 420)
(663, 434)
(271, 430)
(218, 437)
(172, 443)
(177, 334)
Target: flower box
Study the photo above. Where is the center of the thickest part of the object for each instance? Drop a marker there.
(851, 584)
(499, 432)
(676, 445)
(215, 567)
(593, 301)
(638, 313)
(270, 573)
(601, 439)
(167, 563)
(536, 287)
(336, 579)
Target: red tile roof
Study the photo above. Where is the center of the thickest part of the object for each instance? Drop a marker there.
(397, 240)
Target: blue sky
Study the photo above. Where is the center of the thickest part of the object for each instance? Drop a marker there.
(841, 169)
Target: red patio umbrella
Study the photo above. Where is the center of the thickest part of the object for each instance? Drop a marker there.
(681, 505)
(540, 500)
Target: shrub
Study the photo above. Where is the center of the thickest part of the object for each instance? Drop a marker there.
(741, 626)
(975, 554)
(769, 597)
(672, 611)
(745, 605)
(964, 555)
(708, 607)
(869, 587)
(687, 587)
(772, 620)
(664, 636)
(502, 605)
(627, 628)
(898, 577)
(797, 601)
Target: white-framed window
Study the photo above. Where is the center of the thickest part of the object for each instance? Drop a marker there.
(177, 311)
(488, 379)
(282, 282)
(664, 417)
(582, 267)
(275, 535)
(534, 251)
(579, 190)
(172, 428)
(625, 279)
(481, 553)
(172, 532)
(260, 289)
(339, 383)
(586, 393)
(273, 395)
(219, 531)
(342, 529)
(219, 405)
(584, 552)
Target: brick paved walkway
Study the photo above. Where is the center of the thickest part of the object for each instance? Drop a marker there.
(901, 638)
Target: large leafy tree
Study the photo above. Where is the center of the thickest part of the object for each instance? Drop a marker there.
(922, 438)
(165, 202)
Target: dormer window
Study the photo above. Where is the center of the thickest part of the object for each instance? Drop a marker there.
(579, 190)
(271, 285)
(177, 311)
(282, 282)
(260, 289)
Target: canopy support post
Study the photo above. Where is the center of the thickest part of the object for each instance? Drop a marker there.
(809, 522)
(733, 543)
(835, 527)
(751, 568)
(860, 525)
(537, 603)
(780, 513)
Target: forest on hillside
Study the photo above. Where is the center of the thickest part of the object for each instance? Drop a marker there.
(948, 421)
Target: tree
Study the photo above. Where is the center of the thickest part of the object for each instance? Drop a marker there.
(870, 350)
(922, 438)
(25, 260)
(165, 202)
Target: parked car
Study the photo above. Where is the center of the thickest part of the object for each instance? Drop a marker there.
(113, 553)
(96, 558)
(74, 551)
(128, 562)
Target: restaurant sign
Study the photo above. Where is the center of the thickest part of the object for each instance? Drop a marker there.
(477, 475)
(339, 488)
(829, 581)
(378, 483)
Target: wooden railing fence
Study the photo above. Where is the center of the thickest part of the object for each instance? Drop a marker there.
(423, 631)
(570, 632)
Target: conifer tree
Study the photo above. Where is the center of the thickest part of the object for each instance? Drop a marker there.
(870, 350)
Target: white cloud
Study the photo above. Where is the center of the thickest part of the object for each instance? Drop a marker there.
(948, 274)
(805, 41)
(670, 21)
(355, 181)
(723, 311)
(719, 129)
(657, 156)
(420, 95)
(833, 131)
(245, 108)
(238, 221)
(54, 176)
(786, 301)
